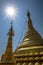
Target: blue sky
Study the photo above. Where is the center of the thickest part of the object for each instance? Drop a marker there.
(20, 21)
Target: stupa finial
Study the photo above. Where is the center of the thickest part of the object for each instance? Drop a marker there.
(11, 32)
(29, 20)
(11, 22)
(28, 14)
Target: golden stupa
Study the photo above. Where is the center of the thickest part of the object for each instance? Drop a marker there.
(30, 51)
(8, 57)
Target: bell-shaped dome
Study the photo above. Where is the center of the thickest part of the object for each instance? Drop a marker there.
(32, 39)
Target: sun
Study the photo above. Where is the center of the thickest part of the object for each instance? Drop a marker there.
(11, 11)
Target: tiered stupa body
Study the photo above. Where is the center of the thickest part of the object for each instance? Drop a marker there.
(30, 51)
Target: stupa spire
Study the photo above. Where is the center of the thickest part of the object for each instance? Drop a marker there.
(8, 56)
(29, 20)
(9, 45)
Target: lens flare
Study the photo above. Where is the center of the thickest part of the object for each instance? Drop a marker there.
(10, 11)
